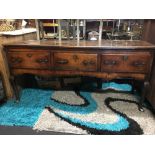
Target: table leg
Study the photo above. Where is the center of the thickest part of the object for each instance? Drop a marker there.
(143, 95)
(99, 83)
(14, 85)
(62, 84)
(133, 86)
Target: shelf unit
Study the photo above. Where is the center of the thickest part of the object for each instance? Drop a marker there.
(77, 29)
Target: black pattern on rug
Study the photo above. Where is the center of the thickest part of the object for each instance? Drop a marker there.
(133, 129)
(86, 102)
(115, 108)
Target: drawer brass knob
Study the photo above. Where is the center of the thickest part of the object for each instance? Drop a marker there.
(42, 61)
(88, 62)
(110, 62)
(16, 60)
(63, 61)
(139, 64)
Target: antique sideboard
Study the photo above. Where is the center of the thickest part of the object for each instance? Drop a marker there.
(4, 39)
(101, 59)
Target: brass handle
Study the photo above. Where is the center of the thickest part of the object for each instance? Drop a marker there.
(139, 64)
(42, 61)
(88, 62)
(16, 60)
(63, 61)
(110, 62)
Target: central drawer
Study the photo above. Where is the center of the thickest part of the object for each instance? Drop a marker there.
(138, 62)
(29, 59)
(75, 61)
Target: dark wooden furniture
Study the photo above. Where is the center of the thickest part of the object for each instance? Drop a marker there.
(149, 35)
(4, 39)
(105, 59)
(2, 90)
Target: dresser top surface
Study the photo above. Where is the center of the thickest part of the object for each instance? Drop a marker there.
(104, 44)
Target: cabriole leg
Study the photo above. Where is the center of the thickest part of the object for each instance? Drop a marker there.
(143, 95)
(15, 89)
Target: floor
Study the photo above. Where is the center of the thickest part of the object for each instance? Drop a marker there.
(14, 130)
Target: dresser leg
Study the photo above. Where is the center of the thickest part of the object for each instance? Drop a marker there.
(144, 90)
(99, 83)
(133, 86)
(62, 82)
(15, 89)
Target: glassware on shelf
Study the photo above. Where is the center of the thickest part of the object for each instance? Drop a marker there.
(79, 29)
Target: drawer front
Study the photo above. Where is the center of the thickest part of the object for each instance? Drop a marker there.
(111, 63)
(126, 62)
(75, 61)
(32, 60)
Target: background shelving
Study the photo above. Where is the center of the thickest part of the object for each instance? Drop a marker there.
(110, 29)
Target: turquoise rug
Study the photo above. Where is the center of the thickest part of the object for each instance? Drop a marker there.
(79, 112)
(27, 111)
(33, 102)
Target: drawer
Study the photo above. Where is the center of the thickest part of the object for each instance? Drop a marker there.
(126, 62)
(32, 60)
(75, 61)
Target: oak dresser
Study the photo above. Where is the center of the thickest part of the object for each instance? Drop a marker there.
(4, 39)
(100, 59)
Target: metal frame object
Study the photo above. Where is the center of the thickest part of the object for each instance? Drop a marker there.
(75, 30)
